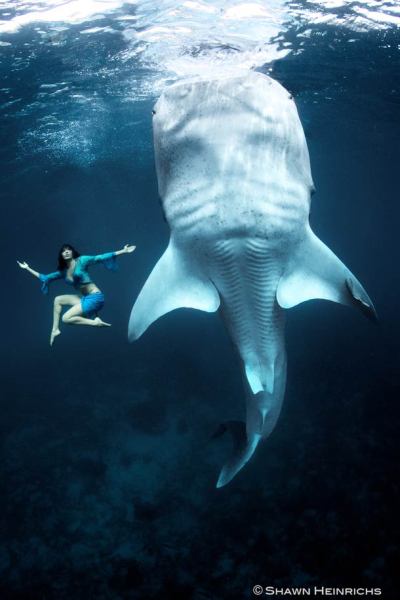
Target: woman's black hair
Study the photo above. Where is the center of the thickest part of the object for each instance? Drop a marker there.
(61, 261)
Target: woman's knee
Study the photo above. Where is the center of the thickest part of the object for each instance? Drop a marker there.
(66, 318)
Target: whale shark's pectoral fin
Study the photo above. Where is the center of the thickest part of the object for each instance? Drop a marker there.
(173, 283)
(315, 272)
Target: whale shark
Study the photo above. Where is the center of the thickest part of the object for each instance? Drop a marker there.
(235, 185)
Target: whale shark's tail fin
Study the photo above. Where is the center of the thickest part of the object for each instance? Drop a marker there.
(262, 413)
(172, 284)
(243, 449)
(315, 272)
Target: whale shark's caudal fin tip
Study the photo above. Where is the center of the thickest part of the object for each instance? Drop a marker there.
(173, 283)
(315, 272)
(224, 478)
(242, 451)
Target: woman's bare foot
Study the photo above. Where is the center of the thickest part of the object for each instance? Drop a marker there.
(53, 335)
(101, 323)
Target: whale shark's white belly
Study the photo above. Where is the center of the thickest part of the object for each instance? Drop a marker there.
(238, 166)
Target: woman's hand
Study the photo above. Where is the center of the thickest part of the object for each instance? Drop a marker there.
(127, 249)
(23, 265)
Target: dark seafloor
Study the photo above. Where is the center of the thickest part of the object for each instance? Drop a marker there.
(107, 468)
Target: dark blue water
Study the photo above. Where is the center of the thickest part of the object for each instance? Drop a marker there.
(108, 471)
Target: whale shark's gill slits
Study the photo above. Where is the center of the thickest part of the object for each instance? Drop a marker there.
(284, 207)
(186, 216)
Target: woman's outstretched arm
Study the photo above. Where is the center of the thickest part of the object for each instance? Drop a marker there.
(24, 265)
(108, 258)
(45, 279)
(127, 249)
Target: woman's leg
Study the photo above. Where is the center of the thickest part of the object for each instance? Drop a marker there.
(59, 302)
(73, 316)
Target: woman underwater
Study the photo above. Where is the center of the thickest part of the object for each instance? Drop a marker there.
(73, 268)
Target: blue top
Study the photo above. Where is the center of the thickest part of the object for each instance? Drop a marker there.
(80, 275)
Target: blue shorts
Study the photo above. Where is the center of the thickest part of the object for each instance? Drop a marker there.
(92, 303)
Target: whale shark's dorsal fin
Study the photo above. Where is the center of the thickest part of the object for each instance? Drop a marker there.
(315, 272)
(173, 283)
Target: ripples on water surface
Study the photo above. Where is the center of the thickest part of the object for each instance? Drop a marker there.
(78, 57)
